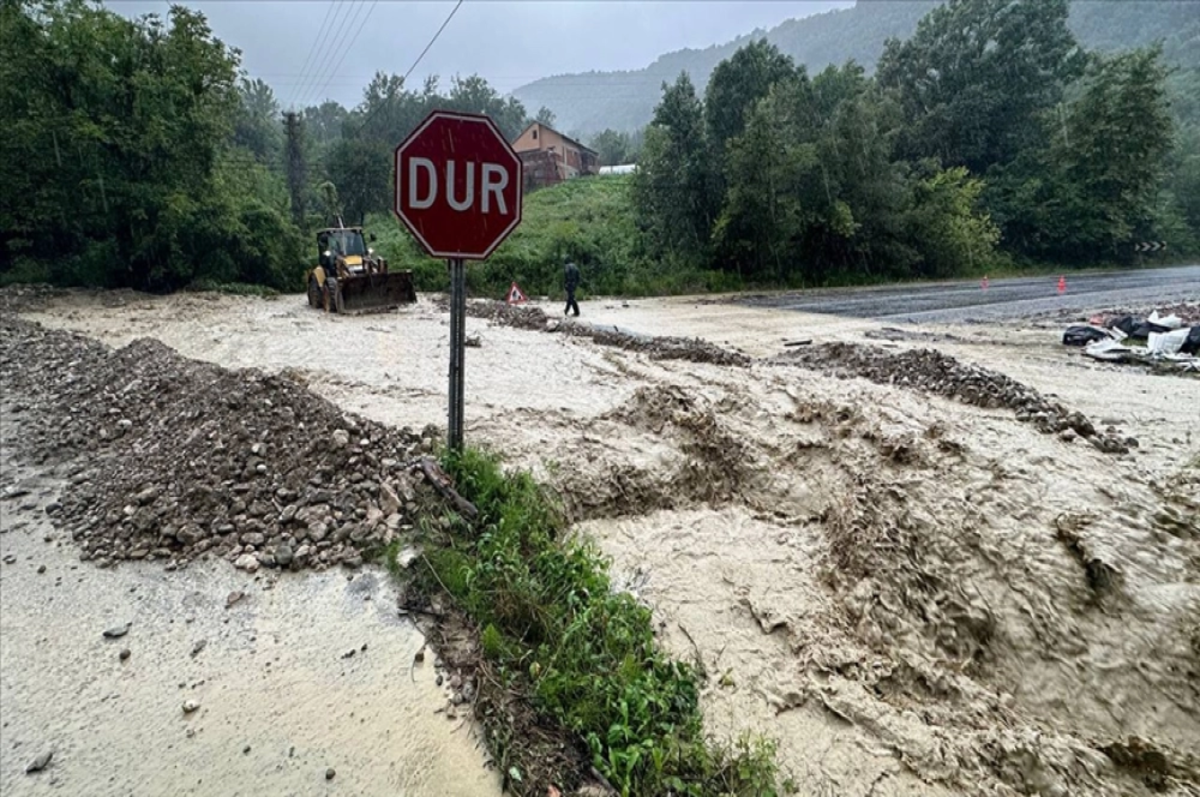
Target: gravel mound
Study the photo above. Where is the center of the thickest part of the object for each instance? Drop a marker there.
(934, 372)
(659, 348)
(172, 459)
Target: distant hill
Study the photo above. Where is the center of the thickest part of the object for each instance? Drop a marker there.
(589, 102)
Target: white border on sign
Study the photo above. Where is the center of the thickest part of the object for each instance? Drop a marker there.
(462, 117)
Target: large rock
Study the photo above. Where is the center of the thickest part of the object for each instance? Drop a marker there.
(389, 501)
(247, 561)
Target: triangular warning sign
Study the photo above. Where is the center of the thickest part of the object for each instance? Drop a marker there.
(515, 296)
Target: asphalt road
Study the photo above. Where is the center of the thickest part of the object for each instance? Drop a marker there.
(956, 302)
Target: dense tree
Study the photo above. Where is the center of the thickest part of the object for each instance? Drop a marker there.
(773, 166)
(1184, 185)
(324, 122)
(976, 75)
(738, 84)
(473, 94)
(545, 116)
(256, 127)
(362, 171)
(670, 188)
(1093, 189)
(387, 112)
(116, 160)
(734, 89)
(614, 148)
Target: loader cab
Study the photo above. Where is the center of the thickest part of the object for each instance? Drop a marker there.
(341, 242)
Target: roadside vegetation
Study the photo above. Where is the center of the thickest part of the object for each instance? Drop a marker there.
(591, 222)
(140, 155)
(553, 633)
(989, 139)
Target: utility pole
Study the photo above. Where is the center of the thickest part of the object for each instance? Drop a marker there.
(296, 168)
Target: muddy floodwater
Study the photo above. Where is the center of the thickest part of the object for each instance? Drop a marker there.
(912, 594)
(306, 673)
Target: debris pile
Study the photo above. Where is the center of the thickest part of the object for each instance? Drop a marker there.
(172, 459)
(932, 371)
(659, 348)
(1163, 340)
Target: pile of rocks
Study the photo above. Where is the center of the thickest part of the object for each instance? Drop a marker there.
(932, 371)
(659, 348)
(173, 459)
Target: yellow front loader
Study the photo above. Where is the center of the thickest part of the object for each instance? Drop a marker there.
(350, 277)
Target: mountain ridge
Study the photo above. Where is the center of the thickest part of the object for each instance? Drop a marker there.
(587, 102)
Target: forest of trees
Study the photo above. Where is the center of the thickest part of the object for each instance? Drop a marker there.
(138, 154)
(988, 136)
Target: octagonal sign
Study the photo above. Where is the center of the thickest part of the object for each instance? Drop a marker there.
(458, 185)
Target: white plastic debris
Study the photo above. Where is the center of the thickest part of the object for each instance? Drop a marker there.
(1167, 342)
(1170, 321)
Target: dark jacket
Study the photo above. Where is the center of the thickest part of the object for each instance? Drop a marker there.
(572, 277)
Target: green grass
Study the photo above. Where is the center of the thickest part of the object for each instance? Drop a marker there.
(585, 656)
(590, 221)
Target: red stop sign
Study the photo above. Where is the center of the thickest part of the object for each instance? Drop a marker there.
(458, 185)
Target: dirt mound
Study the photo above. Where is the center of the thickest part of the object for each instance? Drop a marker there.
(659, 348)
(172, 458)
(943, 375)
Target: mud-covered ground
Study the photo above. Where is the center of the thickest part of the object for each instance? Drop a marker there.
(221, 682)
(915, 588)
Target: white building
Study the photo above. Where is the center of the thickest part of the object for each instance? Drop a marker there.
(626, 168)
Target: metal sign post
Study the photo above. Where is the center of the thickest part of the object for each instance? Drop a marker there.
(458, 351)
(458, 191)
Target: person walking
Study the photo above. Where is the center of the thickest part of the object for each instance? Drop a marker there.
(572, 282)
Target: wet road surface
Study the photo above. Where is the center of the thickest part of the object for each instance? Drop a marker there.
(953, 302)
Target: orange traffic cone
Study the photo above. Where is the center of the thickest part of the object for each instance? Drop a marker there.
(1062, 284)
(984, 284)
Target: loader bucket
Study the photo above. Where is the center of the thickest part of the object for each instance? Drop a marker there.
(375, 292)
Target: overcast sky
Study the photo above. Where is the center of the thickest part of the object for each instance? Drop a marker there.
(509, 43)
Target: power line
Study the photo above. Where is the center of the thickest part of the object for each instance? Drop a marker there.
(367, 117)
(313, 47)
(338, 36)
(347, 48)
(324, 71)
(434, 39)
(306, 82)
